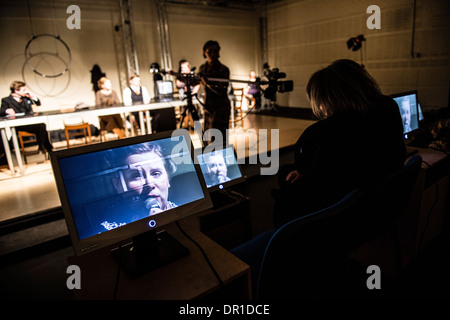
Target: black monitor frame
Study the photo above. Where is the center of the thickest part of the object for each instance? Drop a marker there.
(136, 228)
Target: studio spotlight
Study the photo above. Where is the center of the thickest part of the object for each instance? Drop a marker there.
(355, 43)
(154, 67)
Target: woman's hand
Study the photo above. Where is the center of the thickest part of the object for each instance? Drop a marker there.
(155, 211)
(293, 176)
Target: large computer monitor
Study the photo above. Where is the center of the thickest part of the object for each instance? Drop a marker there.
(126, 189)
(220, 167)
(408, 106)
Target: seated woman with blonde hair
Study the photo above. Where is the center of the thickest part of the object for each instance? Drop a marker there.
(106, 97)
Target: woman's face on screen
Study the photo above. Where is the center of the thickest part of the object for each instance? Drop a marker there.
(148, 177)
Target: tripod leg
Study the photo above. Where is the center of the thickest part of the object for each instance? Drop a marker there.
(194, 113)
(198, 129)
(183, 116)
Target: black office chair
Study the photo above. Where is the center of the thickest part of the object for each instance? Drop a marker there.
(377, 228)
(387, 200)
(307, 258)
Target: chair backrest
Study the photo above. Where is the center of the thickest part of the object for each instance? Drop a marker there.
(300, 258)
(386, 201)
(307, 257)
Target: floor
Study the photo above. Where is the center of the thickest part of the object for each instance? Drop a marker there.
(36, 191)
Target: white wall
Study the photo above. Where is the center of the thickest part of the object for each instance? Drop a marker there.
(93, 44)
(309, 34)
(304, 35)
(235, 30)
(98, 43)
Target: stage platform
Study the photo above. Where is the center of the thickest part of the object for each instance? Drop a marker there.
(36, 192)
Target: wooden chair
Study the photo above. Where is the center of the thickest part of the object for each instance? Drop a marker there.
(86, 132)
(30, 139)
(238, 101)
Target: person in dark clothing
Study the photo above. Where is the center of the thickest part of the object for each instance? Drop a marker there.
(96, 74)
(357, 141)
(21, 101)
(216, 105)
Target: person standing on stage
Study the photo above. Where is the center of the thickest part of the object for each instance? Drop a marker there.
(216, 105)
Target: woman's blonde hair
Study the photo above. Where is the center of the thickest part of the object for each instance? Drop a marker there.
(101, 81)
(343, 85)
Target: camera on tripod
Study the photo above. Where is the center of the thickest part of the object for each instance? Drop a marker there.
(270, 83)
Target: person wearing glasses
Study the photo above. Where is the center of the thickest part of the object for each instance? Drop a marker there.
(217, 169)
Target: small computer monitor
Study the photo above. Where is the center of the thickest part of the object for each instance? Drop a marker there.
(220, 167)
(421, 117)
(128, 188)
(165, 89)
(408, 106)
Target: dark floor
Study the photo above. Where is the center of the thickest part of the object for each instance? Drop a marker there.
(39, 272)
(287, 112)
(429, 276)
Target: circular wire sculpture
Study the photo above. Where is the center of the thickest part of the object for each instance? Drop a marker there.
(28, 55)
(35, 86)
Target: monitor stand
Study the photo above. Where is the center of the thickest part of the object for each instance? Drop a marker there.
(147, 252)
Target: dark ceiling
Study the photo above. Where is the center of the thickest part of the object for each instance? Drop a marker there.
(234, 4)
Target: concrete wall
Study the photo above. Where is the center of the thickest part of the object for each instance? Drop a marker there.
(307, 35)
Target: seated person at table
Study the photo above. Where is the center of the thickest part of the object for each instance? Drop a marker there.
(107, 97)
(135, 94)
(357, 141)
(21, 101)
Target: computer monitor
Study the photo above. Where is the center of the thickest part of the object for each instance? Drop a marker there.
(408, 106)
(220, 167)
(421, 117)
(165, 90)
(127, 189)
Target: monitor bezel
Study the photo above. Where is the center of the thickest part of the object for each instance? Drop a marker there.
(225, 185)
(128, 231)
(407, 93)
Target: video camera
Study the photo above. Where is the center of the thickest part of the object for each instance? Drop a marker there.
(270, 83)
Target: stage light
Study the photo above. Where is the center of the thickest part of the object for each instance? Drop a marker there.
(154, 67)
(355, 43)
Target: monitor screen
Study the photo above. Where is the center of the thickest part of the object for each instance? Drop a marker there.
(421, 118)
(408, 107)
(119, 189)
(220, 167)
(165, 88)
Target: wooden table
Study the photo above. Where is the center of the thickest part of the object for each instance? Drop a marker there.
(189, 277)
(10, 124)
